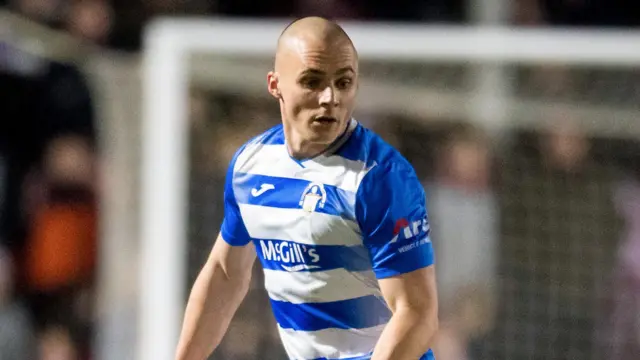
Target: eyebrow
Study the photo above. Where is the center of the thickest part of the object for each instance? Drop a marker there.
(345, 70)
(312, 71)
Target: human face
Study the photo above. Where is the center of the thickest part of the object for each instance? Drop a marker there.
(316, 83)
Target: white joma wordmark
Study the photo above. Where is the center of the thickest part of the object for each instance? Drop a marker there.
(263, 188)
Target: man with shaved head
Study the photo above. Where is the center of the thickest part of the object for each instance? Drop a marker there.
(336, 216)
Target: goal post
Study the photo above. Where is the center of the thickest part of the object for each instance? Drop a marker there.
(170, 43)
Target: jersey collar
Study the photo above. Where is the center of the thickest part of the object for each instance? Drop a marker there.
(333, 147)
(341, 140)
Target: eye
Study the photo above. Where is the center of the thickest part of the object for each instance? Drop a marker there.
(310, 83)
(343, 83)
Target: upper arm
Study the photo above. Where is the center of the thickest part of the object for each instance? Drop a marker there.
(233, 250)
(233, 230)
(415, 290)
(235, 261)
(392, 214)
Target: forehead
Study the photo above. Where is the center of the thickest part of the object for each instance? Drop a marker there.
(328, 56)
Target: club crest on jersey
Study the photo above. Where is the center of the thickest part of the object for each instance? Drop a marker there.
(313, 196)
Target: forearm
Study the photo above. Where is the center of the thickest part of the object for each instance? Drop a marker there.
(407, 336)
(213, 301)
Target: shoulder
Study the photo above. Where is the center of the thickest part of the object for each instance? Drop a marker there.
(383, 160)
(272, 137)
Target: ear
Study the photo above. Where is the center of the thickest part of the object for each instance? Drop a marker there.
(273, 85)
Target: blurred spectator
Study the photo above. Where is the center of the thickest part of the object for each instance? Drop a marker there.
(90, 20)
(47, 101)
(16, 333)
(47, 210)
(620, 331)
(61, 246)
(461, 194)
(61, 242)
(558, 236)
(55, 343)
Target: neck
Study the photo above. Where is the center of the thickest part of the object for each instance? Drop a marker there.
(302, 149)
(306, 152)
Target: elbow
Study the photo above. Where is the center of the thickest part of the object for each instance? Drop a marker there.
(429, 322)
(424, 325)
(424, 319)
(434, 325)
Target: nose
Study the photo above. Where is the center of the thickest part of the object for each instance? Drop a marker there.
(328, 97)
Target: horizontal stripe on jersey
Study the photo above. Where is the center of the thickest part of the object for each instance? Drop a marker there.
(356, 313)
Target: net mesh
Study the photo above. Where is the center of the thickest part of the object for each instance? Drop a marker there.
(533, 225)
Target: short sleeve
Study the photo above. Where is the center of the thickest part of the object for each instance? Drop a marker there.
(233, 229)
(392, 215)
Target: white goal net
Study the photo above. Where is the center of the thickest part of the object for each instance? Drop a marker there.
(526, 141)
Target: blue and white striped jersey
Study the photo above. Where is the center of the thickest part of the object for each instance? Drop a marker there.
(325, 229)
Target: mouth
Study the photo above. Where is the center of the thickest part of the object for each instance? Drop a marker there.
(325, 120)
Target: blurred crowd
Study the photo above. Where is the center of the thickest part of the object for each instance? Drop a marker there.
(48, 214)
(119, 24)
(548, 257)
